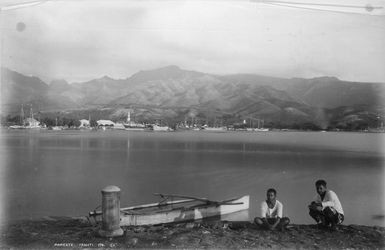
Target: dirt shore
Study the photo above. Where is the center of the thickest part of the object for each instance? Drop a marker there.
(78, 233)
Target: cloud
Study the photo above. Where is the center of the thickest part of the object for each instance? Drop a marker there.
(86, 39)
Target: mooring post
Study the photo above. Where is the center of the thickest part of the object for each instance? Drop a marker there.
(111, 212)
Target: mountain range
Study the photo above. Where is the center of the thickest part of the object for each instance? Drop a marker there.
(172, 93)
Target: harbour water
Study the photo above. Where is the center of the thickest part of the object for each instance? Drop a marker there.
(46, 173)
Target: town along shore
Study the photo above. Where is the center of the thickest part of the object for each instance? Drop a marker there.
(79, 233)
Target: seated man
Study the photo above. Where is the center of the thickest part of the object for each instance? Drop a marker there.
(271, 213)
(326, 208)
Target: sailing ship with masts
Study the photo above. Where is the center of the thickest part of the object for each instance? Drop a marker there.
(31, 122)
(28, 123)
(132, 125)
(56, 127)
(217, 127)
(260, 127)
(158, 126)
(21, 124)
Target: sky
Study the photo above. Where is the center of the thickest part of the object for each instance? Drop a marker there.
(83, 40)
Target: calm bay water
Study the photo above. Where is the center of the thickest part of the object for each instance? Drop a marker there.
(47, 173)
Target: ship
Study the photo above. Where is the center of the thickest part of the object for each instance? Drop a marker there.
(132, 125)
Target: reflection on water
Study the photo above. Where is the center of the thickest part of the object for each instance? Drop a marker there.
(62, 172)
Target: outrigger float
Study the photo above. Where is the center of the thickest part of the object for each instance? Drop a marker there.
(184, 209)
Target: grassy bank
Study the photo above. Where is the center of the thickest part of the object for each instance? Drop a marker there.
(64, 233)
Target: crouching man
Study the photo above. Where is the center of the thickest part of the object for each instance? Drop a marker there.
(326, 208)
(271, 213)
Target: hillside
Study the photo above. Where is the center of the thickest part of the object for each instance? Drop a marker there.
(209, 97)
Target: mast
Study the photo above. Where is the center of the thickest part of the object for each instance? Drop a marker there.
(31, 114)
(22, 115)
(128, 116)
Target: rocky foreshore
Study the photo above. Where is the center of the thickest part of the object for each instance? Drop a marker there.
(79, 233)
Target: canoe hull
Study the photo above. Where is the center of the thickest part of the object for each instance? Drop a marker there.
(183, 215)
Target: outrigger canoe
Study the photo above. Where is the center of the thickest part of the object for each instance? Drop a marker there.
(174, 211)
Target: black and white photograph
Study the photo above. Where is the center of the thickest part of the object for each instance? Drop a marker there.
(192, 124)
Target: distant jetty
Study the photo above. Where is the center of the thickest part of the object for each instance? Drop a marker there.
(78, 233)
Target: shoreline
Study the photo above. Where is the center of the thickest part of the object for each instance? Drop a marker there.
(372, 131)
(79, 233)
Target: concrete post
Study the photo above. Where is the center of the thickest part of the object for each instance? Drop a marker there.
(111, 212)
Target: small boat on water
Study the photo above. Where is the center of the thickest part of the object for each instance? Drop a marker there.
(56, 127)
(17, 127)
(174, 211)
(261, 130)
(134, 129)
(160, 128)
(214, 129)
(134, 126)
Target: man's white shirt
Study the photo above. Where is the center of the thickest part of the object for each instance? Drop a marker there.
(330, 200)
(274, 212)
